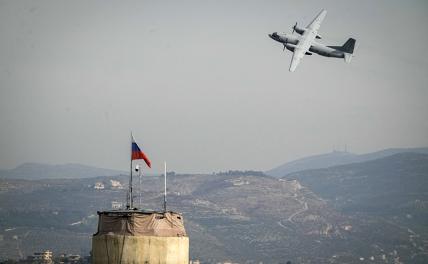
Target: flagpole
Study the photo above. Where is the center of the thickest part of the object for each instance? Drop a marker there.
(129, 204)
(164, 195)
(136, 153)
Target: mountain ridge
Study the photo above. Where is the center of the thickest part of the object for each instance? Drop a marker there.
(331, 215)
(335, 158)
(391, 183)
(37, 171)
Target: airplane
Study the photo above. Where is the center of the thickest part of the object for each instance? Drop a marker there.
(305, 44)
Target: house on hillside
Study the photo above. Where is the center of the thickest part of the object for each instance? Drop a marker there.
(99, 186)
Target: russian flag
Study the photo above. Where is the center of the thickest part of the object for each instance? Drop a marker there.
(138, 154)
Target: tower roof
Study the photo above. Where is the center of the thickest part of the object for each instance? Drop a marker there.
(141, 223)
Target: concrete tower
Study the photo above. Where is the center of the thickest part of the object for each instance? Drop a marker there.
(137, 236)
(134, 236)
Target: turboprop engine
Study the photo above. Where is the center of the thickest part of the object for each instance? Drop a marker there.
(289, 46)
(301, 31)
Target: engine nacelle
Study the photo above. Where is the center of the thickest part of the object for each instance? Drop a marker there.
(300, 31)
(290, 47)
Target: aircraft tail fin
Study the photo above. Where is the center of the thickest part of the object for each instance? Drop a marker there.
(348, 47)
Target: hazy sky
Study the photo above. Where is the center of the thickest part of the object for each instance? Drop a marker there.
(202, 85)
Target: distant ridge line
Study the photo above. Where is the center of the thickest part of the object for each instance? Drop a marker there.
(336, 158)
(37, 171)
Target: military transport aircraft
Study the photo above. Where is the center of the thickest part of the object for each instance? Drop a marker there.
(305, 44)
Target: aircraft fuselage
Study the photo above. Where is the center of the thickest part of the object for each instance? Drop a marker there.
(290, 41)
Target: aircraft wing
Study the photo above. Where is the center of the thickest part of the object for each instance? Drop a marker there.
(316, 23)
(297, 56)
(306, 40)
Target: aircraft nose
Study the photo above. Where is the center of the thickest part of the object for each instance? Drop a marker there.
(273, 35)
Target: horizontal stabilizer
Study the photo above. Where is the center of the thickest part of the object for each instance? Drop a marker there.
(348, 57)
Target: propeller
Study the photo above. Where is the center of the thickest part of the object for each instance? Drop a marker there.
(294, 27)
(284, 47)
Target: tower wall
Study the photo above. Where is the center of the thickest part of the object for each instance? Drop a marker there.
(139, 249)
(133, 237)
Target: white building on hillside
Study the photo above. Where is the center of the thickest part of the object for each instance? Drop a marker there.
(99, 186)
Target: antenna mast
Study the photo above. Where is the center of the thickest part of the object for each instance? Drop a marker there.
(141, 189)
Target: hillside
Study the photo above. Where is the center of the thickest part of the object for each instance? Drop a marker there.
(36, 171)
(336, 158)
(392, 190)
(390, 178)
(242, 217)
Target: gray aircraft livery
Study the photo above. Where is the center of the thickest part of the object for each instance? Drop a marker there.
(305, 44)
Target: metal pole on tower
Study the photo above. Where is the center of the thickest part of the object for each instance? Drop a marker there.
(139, 174)
(129, 203)
(164, 195)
